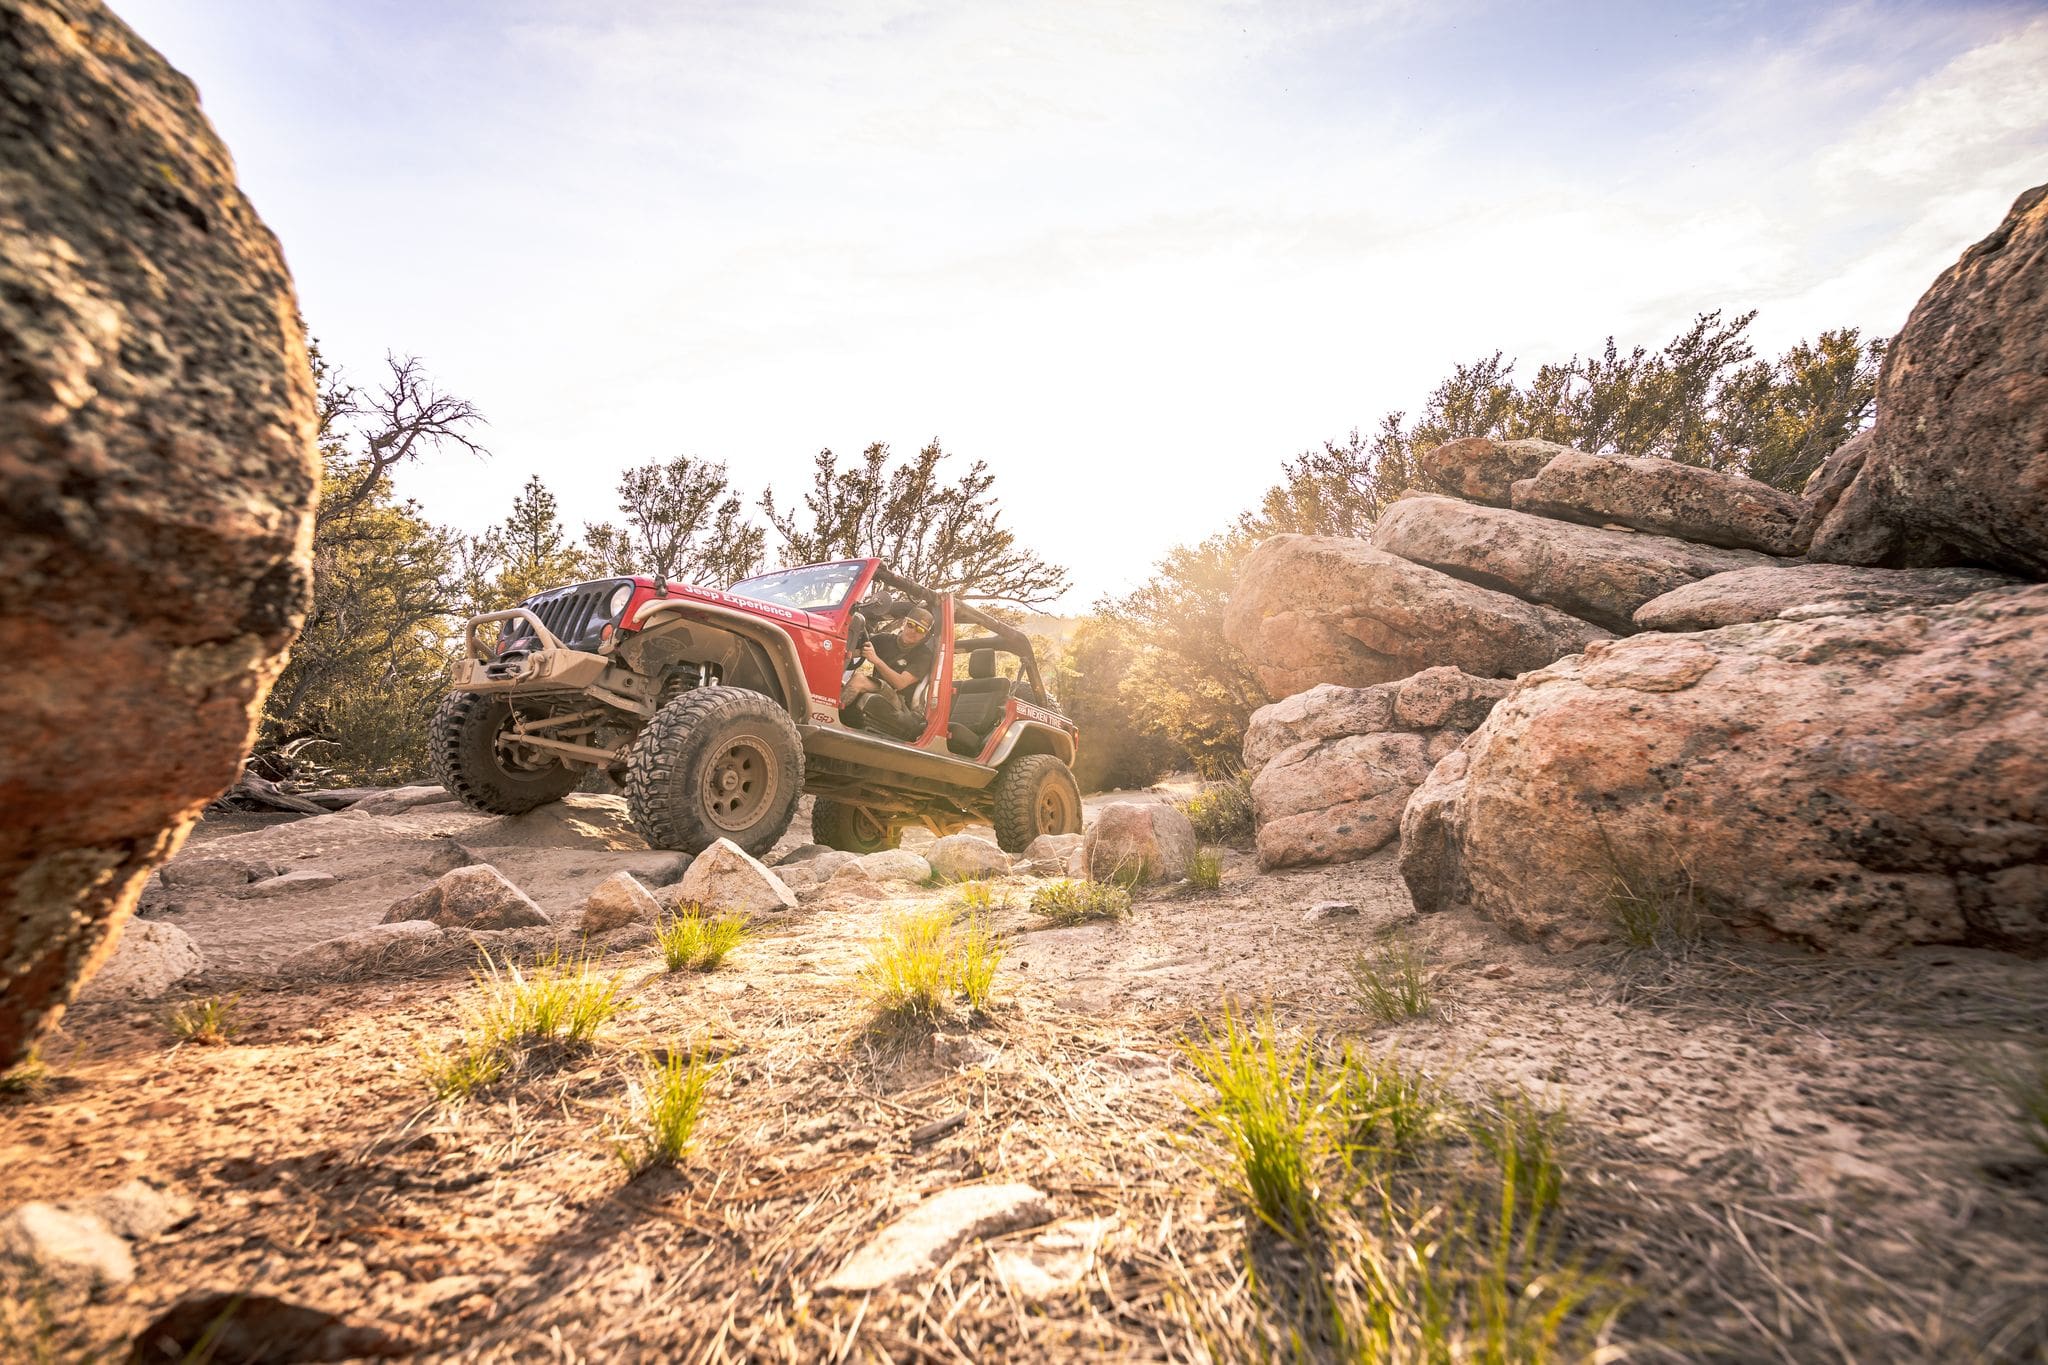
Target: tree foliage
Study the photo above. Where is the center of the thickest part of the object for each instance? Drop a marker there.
(946, 535)
(1088, 676)
(681, 520)
(530, 551)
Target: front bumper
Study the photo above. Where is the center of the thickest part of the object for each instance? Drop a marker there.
(559, 669)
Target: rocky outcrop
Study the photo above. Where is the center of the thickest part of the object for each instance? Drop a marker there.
(1842, 517)
(469, 898)
(1667, 498)
(1597, 575)
(1133, 843)
(1478, 469)
(1961, 451)
(1805, 590)
(157, 470)
(1317, 609)
(1336, 793)
(725, 877)
(1856, 783)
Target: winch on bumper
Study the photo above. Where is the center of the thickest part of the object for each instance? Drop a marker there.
(551, 664)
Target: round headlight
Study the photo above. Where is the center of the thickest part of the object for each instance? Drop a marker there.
(620, 598)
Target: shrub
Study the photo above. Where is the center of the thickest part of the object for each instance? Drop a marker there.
(1392, 980)
(978, 897)
(1077, 902)
(667, 1100)
(692, 940)
(210, 1021)
(1221, 812)
(1206, 871)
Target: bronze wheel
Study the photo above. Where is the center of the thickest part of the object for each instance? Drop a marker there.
(715, 763)
(1034, 795)
(739, 782)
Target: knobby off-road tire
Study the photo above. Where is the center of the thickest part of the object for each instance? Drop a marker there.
(1034, 795)
(463, 752)
(715, 763)
(851, 829)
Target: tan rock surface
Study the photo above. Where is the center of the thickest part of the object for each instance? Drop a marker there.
(1132, 842)
(615, 902)
(1842, 521)
(1855, 783)
(1336, 800)
(1667, 498)
(727, 877)
(1480, 469)
(1325, 609)
(1323, 712)
(156, 483)
(469, 898)
(1809, 590)
(1598, 575)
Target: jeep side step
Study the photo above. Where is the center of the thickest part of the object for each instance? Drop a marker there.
(868, 751)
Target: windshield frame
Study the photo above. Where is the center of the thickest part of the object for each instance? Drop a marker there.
(855, 580)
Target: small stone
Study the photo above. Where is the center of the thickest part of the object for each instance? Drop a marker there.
(617, 901)
(1049, 854)
(1328, 910)
(727, 877)
(469, 898)
(801, 853)
(960, 856)
(289, 883)
(816, 871)
(961, 1050)
(1054, 1261)
(896, 865)
(151, 959)
(140, 1211)
(921, 1240)
(72, 1249)
(1498, 971)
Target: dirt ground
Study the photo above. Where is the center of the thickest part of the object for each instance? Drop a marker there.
(1781, 1157)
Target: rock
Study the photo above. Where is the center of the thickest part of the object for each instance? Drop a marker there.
(447, 855)
(151, 959)
(1808, 590)
(1335, 801)
(961, 1050)
(213, 874)
(1665, 497)
(1133, 844)
(398, 800)
(1050, 855)
(1961, 451)
(580, 820)
(802, 853)
(157, 473)
(1329, 910)
(1597, 575)
(1439, 697)
(469, 898)
(919, 1242)
(374, 949)
(1842, 517)
(1324, 609)
(1323, 712)
(850, 882)
(70, 1249)
(810, 872)
(958, 857)
(1855, 783)
(140, 1211)
(1054, 1262)
(896, 865)
(725, 877)
(1479, 469)
(289, 884)
(241, 1328)
(617, 901)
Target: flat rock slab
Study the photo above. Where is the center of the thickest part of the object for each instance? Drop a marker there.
(1596, 574)
(289, 883)
(1799, 591)
(1665, 497)
(364, 951)
(922, 1240)
(73, 1249)
(1479, 469)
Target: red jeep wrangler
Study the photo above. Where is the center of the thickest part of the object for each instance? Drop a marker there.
(714, 710)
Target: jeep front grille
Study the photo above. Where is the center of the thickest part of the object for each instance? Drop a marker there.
(572, 615)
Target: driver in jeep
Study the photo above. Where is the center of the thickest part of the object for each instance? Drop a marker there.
(884, 701)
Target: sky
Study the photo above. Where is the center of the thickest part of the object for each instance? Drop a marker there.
(1134, 254)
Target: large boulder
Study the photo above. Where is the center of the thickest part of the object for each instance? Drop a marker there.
(1809, 590)
(1667, 498)
(1842, 516)
(1326, 609)
(157, 472)
(476, 897)
(1856, 783)
(1133, 843)
(725, 877)
(1330, 802)
(1599, 575)
(152, 959)
(1323, 712)
(1479, 469)
(1961, 452)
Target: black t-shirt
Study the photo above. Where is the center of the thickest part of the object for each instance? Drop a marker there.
(916, 660)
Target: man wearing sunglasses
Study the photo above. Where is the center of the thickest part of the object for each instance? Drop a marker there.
(901, 660)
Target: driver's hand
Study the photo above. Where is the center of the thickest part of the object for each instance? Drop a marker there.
(867, 651)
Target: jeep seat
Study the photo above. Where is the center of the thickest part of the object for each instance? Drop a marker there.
(977, 704)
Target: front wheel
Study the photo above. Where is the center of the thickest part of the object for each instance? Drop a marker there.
(715, 763)
(497, 779)
(853, 829)
(1034, 795)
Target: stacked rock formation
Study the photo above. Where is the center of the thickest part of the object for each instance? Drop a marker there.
(156, 484)
(1828, 726)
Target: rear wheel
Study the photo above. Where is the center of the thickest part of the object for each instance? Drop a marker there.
(715, 763)
(854, 829)
(1034, 795)
(486, 775)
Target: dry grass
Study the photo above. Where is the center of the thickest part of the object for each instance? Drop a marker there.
(1221, 812)
(209, 1021)
(1205, 871)
(925, 962)
(555, 1003)
(1069, 902)
(2024, 1083)
(698, 940)
(1392, 980)
(29, 1077)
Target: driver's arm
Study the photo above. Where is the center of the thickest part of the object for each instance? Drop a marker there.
(897, 678)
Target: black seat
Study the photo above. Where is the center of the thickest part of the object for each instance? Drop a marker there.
(977, 703)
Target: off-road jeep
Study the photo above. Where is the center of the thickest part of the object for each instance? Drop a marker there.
(714, 710)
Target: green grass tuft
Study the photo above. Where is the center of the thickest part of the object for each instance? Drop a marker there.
(1382, 1113)
(1221, 812)
(1206, 871)
(474, 1064)
(908, 974)
(1521, 1142)
(1268, 1112)
(2025, 1086)
(978, 897)
(693, 939)
(1076, 902)
(977, 950)
(668, 1099)
(555, 1002)
(29, 1077)
(1393, 980)
(210, 1021)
